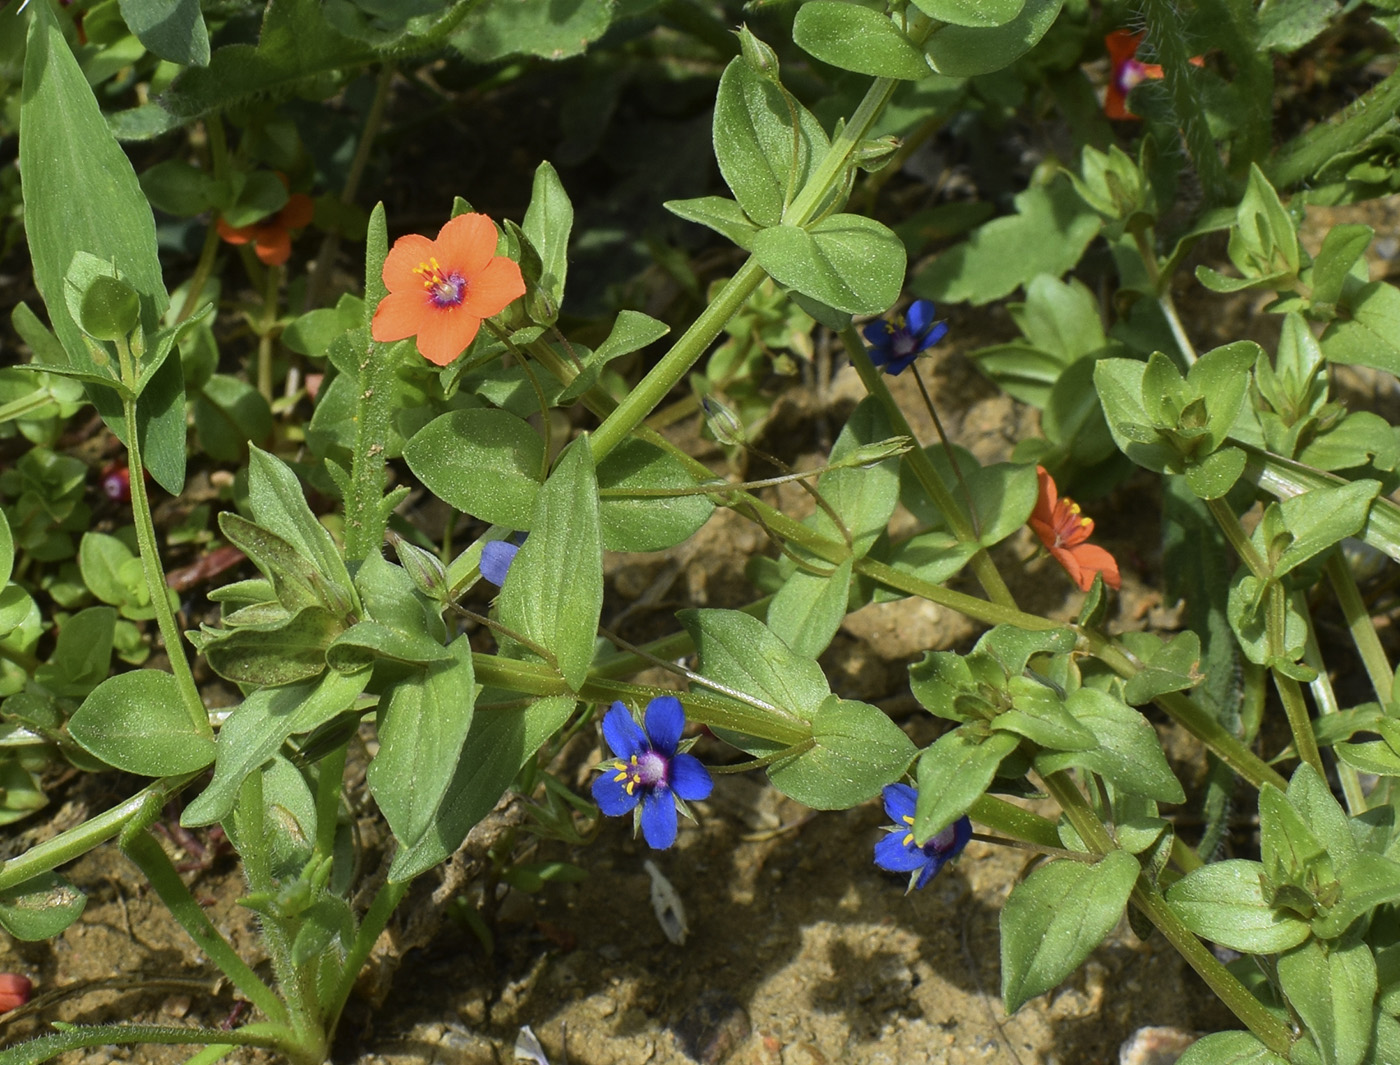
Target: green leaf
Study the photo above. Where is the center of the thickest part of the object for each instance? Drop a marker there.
(40, 908)
(1224, 902)
(847, 261)
(1038, 714)
(1222, 377)
(278, 503)
(278, 652)
(954, 772)
(968, 50)
(859, 39)
(1368, 881)
(257, 728)
(1368, 333)
(1318, 519)
(742, 653)
(1172, 666)
(138, 723)
(553, 593)
(499, 743)
(1341, 250)
(81, 195)
(971, 12)
(7, 550)
(1129, 754)
(719, 213)
(230, 414)
(1047, 235)
(1334, 992)
(484, 462)
(548, 221)
(295, 579)
(81, 658)
(764, 162)
(172, 29)
(1055, 917)
(855, 751)
(649, 520)
(1120, 385)
(423, 724)
(631, 331)
(808, 609)
(1229, 1048)
(864, 497)
(363, 643)
(283, 824)
(556, 30)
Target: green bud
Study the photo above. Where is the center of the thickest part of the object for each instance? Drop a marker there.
(867, 455)
(758, 55)
(723, 423)
(110, 309)
(424, 568)
(874, 154)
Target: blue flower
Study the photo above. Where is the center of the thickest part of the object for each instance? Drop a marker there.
(649, 771)
(496, 558)
(898, 852)
(896, 341)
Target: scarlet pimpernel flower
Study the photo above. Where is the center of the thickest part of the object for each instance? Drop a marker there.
(1063, 530)
(1127, 72)
(14, 991)
(441, 290)
(896, 341)
(650, 777)
(898, 853)
(272, 238)
(496, 558)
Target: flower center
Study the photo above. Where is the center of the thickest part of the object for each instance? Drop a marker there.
(645, 770)
(1071, 527)
(1132, 74)
(444, 290)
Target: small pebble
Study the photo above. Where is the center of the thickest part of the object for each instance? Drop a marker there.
(1155, 1046)
(712, 1028)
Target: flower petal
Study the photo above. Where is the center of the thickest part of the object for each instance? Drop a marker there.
(297, 212)
(1044, 511)
(900, 800)
(932, 864)
(891, 854)
(408, 251)
(612, 796)
(494, 288)
(445, 334)
(273, 245)
(235, 234)
(920, 316)
(877, 333)
(398, 316)
(496, 558)
(665, 721)
(690, 779)
(658, 818)
(936, 332)
(466, 244)
(1091, 559)
(625, 737)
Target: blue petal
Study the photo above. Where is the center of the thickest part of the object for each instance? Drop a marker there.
(658, 818)
(624, 735)
(930, 870)
(878, 335)
(611, 795)
(937, 333)
(690, 779)
(496, 558)
(898, 366)
(892, 854)
(899, 802)
(962, 832)
(665, 723)
(919, 316)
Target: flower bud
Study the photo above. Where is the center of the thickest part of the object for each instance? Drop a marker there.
(14, 991)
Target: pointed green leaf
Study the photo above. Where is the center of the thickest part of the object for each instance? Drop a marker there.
(138, 722)
(847, 261)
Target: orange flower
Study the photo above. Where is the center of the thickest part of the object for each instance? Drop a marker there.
(1128, 72)
(1063, 530)
(440, 290)
(271, 238)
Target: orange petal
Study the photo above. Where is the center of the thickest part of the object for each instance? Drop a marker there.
(399, 315)
(235, 234)
(1122, 46)
(446, 334)
(274, 245)
(1115, 104)
(1044, 511)
(466, 244)
(298, 212)
(494, 288)
(407, 252)
(1093, 560)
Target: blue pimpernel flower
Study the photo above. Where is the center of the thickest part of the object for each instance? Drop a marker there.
(650, 777)
(496, 558)
(896, 341)
(898, 852)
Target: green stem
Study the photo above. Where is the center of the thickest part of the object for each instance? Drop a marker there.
(1220, 980)
(1305, 154)
(959, 523)
(330, 776)
(1326, 700)
(35, 401)
(1304, 742)
(1359, 624)
(202, 269)
(1165, 303)
(1014, 822)
(78, 840)
(76, 1037)
(1234, 532)
(155, 576)
(143, 849)
(266, 321)
(376, 919)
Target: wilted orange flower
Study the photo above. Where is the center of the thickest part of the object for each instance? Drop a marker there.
(1063, 530)
(271, 238)
(1128, 72)
(440, 290)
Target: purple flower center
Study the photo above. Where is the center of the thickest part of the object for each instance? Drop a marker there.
(444, 290)
(652, 769)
